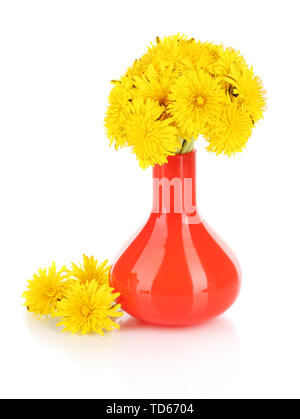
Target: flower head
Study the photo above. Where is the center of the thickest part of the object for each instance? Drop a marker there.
(138, 67)
(169, 51)
(155, 84)
(250, 92)
(230, 134)
(89, 271)
(195, 102)
(229, 61)
(45, 290)
(201, 56)
(117, 112)
(88, 308)
(152, 138)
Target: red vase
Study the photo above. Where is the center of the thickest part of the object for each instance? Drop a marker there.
(176, 271)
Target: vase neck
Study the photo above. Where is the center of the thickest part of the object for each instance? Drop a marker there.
(174, 185)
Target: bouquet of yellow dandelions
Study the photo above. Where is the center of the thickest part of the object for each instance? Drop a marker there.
(81, 296)
(180, 89)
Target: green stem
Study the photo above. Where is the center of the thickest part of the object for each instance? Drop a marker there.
(187, 146)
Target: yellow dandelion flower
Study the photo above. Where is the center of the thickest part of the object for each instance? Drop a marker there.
(45, 290)
(231, 132)
(169, 51)
(229, 62)
(155, 85)
(152, 138)
(201, 56)
(88, 308)
(178, 90)
(90, 270)
(117, 112)
(139, 67)
(195, 101)
(251, 93)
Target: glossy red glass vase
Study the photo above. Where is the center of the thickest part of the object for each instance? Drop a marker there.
(176, 271)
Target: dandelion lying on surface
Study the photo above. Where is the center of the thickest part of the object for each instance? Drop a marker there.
(89, 270)
(88, 308)
(45, 290)
(81, 296)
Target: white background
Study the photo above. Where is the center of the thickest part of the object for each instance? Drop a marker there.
(64, 192)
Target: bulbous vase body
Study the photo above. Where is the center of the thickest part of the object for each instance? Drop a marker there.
(176, 271)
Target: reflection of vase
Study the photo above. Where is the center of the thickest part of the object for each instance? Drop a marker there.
(176, 271)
